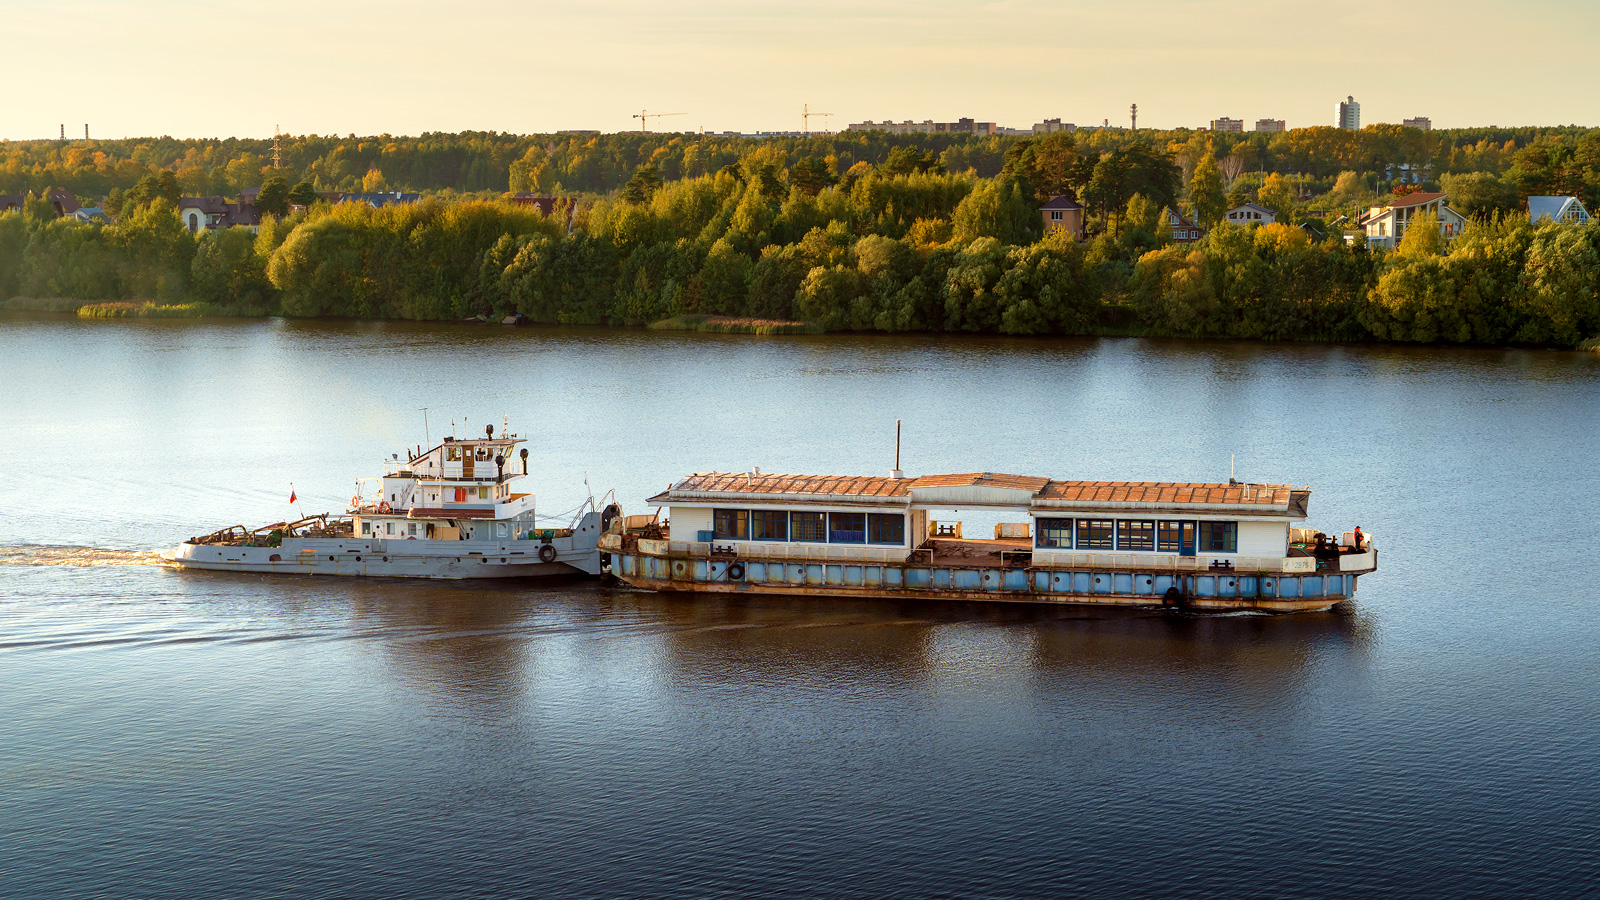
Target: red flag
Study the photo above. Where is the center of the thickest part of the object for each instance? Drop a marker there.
(291, 495)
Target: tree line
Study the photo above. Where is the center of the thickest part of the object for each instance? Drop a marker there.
(903, 245)
(1519, 161)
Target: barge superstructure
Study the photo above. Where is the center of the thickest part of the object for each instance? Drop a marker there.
(1230, 546)
(452, 511)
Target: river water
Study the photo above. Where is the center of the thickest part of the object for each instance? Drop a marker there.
(177, 734)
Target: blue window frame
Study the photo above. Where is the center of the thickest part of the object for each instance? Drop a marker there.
(886, 528)
(1097, 534)
(1169, 536)
(730, 524)
(808, 527)
(1136, 534)
(1053, 533)
(847, 528)
(1219, 537)
(769, 525)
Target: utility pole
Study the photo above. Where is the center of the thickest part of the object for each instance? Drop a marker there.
(805, 118)
(644, 116)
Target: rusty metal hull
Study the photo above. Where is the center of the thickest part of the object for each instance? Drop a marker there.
(1218, 591)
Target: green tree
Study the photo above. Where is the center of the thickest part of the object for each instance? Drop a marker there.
(643, 185)
(273, 200)
(227, 272)
(811, 175)
(1207, 193)
(303, 194)
(996, 208)
(1278, 195)
(1423, 237)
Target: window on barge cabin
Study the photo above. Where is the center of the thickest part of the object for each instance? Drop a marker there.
(1169, 536)
(1219, 537)
(1133, 534)
(847, 528)
(1096, 534)
(730, 524)
(767, 525)
(884, 528)
(808, 527)
(452, 454)
(1055, 533)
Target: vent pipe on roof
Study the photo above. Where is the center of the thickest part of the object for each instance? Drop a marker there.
(896, 471)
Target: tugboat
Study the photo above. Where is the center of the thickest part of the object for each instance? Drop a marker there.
(1193, 547)
(449, 512)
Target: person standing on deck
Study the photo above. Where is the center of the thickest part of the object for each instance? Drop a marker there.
(1359, 539)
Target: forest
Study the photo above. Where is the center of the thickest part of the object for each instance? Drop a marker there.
(851, 231)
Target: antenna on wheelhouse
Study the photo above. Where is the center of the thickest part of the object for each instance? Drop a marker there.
(897, 473)
(425, 435)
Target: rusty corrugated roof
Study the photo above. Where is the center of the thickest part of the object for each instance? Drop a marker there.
(1041, 488)
(1030, 483)
(1165, 492)
(836, 485)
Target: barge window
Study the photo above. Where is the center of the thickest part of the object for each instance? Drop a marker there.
(808, 527)
(767, 525)
(847, 528)
(1169, 536)
(731, 524)
(1133, 534)
(1055, 533)
(452, 454)
(366, 527)
(1219, 537)
(1096, 534)
(883, 528)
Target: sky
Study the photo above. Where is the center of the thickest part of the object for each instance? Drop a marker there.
(227, 68)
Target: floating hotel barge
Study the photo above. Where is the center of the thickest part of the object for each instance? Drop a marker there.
(450, 512)
(1194, 546)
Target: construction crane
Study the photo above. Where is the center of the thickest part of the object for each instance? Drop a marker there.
(644, 116)
(805, 118)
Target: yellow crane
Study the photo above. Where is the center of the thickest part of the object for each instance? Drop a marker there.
(805, 118)
(644, 116)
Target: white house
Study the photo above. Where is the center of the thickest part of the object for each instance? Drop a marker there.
(1386, 225)
(1562, 210)
(1251, 214)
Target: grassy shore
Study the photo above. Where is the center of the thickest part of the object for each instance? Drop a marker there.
(148, 309)
(734, 325)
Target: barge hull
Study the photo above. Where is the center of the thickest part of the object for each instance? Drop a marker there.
(1217, 591)
(361, 558)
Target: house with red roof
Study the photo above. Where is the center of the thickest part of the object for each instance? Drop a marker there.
(1386, 225)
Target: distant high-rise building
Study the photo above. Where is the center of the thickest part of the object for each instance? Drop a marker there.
(1422, 122)
(1349, 115)
(1049, 125)
(1227, 124)
(1270, 125)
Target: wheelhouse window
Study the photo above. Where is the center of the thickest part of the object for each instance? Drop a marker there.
(808, 527)
(730, 524)
(1169, 536)
(883, 528)
(847, 528)
(1219, 537)
(769, 525)
(1134, 534)
(452, 454)
(1054, 533)
(1096, 534)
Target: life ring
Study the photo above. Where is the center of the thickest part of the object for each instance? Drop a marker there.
(547, 553)
(384, 507)
(735, 571)
(355, 502)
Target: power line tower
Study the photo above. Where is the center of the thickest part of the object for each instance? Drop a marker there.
(277, 148)
(644, 116)
(805, 118)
